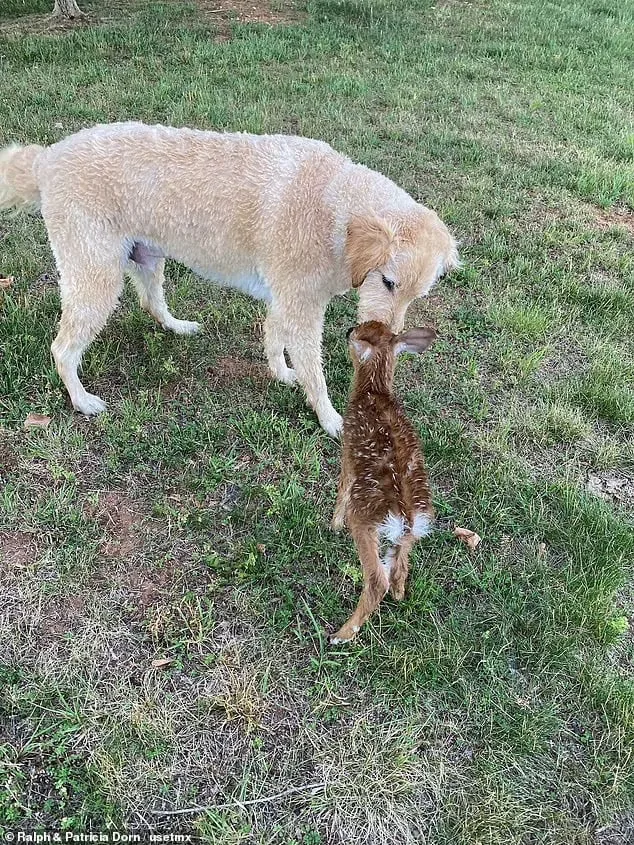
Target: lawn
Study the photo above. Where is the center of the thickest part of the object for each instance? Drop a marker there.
(189, 525)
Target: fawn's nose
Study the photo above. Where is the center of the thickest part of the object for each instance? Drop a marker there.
(349, 332)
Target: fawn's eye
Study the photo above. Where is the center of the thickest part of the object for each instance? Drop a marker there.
(389, 283)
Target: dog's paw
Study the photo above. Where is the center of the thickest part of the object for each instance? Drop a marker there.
(331, 422)
(286, 375)
(90, 405)
(183, 326)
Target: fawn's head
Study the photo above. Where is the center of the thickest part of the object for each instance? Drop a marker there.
(374, 349)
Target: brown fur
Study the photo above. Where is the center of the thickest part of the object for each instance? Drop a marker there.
(383, 482)
(368, 247)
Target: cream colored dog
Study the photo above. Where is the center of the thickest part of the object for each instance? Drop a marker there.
(285, 219)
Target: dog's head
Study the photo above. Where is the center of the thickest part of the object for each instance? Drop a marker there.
(393, 260)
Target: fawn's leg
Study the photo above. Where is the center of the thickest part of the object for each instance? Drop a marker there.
(343, 495)
(375, 583)
(398, 560)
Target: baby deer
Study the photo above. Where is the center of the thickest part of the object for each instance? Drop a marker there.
(383, 489)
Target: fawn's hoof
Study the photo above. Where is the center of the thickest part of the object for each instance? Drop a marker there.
(398, 591)
(344, 634)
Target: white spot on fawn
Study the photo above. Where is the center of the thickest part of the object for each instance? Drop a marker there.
(422, 525)
(393, 527)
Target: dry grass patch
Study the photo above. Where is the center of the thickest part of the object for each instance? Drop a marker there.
(612, 486)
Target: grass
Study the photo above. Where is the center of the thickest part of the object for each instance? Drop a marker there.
(191, 522)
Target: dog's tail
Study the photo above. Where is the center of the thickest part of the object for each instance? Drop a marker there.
(18, 185)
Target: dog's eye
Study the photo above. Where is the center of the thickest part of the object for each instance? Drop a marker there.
(389, 283)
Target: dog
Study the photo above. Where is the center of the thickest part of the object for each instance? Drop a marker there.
(383, 492)
(285, 219)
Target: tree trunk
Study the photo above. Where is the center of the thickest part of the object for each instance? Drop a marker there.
(67, 9)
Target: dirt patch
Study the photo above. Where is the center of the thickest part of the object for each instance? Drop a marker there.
(8, 459)
(612, 487)
(227, 370)
(44, 25)
(608, 218)
(147, 588)
(168, 566)
(47, 279)
(218, 12)
(122, 520)
(17, 550)
(248, 11)
(61, 615)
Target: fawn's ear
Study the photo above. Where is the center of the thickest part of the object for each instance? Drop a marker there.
(362, 350)
(369, 243)
(414, 340)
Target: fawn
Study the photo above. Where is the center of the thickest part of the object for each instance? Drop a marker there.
(383, 489)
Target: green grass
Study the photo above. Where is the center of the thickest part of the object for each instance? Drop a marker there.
(191, 522)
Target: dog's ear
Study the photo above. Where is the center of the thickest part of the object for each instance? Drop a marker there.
(414, 340)
(369, 242)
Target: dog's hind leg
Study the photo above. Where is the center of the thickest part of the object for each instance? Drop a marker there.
(146, 268)
(89, 292)
(274, 344)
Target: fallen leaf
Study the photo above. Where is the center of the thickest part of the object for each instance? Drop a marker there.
(262, 548)
(58, 125)
(37, 421)
(469, 537)
(161, 662)
(6, 281)
(542, 548)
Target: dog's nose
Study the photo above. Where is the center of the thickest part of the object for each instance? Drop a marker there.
(349, 332)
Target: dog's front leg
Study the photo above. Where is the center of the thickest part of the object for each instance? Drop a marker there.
(304, 347)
